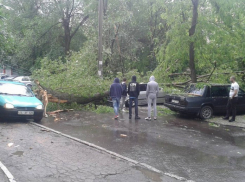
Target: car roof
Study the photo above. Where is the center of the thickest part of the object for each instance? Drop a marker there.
(213, 84)
(217, 84)
(11, 82)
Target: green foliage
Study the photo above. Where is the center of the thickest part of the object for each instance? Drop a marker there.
(218, 38)
(76, 76)
(141, 77)
(214, 125)
(56, 106)
(140, 37)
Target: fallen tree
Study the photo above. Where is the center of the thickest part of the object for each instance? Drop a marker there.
(61, 97)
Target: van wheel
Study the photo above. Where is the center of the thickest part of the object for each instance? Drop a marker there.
(206, 112)
(127, 103)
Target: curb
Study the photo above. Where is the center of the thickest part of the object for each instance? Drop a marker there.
(7, 173)
(112, 153)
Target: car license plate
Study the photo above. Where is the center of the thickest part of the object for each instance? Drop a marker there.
(175, 101)
(26, 112)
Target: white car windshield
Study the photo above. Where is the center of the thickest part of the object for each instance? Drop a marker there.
(12, 89)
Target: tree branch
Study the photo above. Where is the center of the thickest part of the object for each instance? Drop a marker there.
(113, 41)
(212, 72)
(72, 8)
(48, 30)
(80, 24)
(171, 66)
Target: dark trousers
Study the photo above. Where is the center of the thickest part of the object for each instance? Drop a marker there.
(136, 106)
(231, 108)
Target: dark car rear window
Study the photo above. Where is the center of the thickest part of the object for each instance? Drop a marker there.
(192, 90)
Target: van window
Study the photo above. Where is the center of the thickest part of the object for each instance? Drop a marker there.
(143, 87)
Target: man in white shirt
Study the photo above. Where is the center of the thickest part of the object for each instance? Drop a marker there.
(233, 96)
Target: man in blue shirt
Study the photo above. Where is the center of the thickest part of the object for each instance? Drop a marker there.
(116, 94)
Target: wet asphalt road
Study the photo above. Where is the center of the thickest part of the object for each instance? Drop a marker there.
(176, 144)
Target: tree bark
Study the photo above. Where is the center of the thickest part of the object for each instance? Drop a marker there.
(192, 31)
(66, 25)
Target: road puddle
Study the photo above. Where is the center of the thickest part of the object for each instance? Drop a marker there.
(18, 153)
(150, 174)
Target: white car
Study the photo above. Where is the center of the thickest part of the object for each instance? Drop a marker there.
(24, 79)
(142, 97)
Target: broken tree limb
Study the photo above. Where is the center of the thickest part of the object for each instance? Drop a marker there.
(188, 74)
(59, 111)
(69, 98)
(212, 72)
(171, 65)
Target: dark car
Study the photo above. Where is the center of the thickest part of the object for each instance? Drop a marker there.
(204, 102)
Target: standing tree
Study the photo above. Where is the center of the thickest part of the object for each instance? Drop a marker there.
(70, 13)
(192, 31)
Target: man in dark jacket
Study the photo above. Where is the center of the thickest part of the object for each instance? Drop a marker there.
(115, 94)
(133, 92)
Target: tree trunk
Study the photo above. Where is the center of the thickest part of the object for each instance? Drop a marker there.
(67, 38)
(192, 44)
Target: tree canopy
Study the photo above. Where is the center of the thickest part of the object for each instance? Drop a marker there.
(177, 41)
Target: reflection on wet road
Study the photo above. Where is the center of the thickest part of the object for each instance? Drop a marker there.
(183, 146)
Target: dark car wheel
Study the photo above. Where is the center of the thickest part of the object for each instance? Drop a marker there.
(206, 112)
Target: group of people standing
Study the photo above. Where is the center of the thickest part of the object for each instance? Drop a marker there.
(120, 91)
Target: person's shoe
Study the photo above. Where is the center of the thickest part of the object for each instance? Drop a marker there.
(130, 117)
(155, 118)
(231, 120)
(148, 118)
(225, 118)
(137, 117)
(116, 117)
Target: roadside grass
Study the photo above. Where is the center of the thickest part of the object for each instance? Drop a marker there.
(99, 109)
(103, 109)
(164, 111)
(55, 106)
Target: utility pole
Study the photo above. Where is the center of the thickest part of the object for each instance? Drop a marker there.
(100, 44)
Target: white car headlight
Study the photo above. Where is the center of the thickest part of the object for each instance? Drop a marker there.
(8, 106)
(39, 107)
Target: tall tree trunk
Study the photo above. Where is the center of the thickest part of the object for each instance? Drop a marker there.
(67, 37)
(192, 31)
